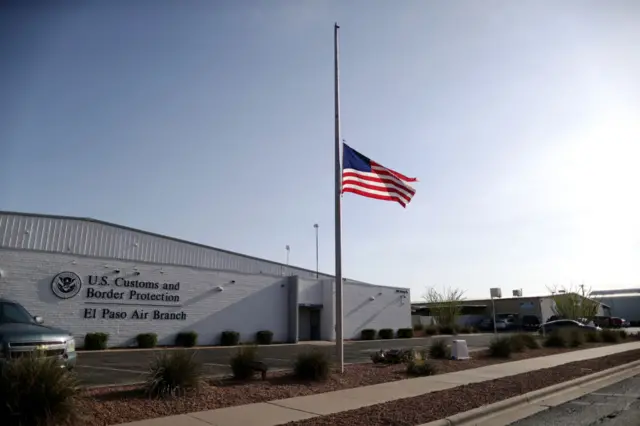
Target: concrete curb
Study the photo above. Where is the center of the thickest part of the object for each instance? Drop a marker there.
(479, 414)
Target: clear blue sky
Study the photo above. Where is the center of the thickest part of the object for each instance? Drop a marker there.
(212, 121)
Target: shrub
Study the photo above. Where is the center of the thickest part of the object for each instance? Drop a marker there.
(501, 347)
(368, 334)
(465, 330)
(555, 339)
(592, 337)
(623, 334)
(36, 391)
(576, 338)
(385, 333)
(230, 338)
(418, 327)
(173, 373)
(430, 330)
(95, 341)
(420, 367)
(530, 342)
(264, 337)
(517, 343)
(405, 333)
(447, 329)
(610, 336)
(314, 365)
(242, 362)
(147, 340)
(439, 350)
(188, 339)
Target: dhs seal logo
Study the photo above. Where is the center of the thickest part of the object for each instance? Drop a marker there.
(66, 285)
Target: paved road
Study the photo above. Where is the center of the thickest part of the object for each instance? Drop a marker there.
(121, 367)
(615, 405)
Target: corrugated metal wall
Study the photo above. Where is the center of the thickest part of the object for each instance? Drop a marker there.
(627, 307)
(86, 237)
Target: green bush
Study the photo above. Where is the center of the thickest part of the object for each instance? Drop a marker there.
(95, 341)
(465, 330)
(36, 391)
(610, 336)
(173, 373)
(264, 337)
(439, 349)
(501, 347)
(229, 338)
(187, 339)
(430, 330)
(418, 327)
(385, 333)
(420, 367)
(576, 338)
(593, 337)
(368, 334)
(529, 340)
(314, 365)
(517, 343)
(242, 362)
(405, 333)
(555, 339)
(147, 340)
(623, 334)
(447, 329)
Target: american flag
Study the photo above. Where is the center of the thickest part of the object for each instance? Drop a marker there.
(364, 177)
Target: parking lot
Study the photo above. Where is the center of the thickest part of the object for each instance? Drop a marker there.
(119, 367)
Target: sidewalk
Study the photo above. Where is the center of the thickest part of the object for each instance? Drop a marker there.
(300, 408)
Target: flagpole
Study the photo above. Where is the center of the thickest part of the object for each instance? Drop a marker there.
(338, 206)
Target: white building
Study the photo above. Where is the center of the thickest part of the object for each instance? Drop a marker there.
(84, 275)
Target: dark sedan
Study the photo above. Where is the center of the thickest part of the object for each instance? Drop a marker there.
(566, 324)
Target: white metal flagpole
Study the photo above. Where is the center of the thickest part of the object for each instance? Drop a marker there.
(338, 206)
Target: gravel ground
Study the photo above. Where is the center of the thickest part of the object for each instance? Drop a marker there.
(438, 405)
(110, 406)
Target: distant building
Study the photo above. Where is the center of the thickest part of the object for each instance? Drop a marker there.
(624, 303)
(474, 311)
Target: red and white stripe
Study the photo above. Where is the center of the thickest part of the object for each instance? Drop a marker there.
(381, 183)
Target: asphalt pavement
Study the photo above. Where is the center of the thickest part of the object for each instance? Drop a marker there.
(119, 367)
(615, 405)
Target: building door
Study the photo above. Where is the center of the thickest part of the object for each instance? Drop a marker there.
(314, 322)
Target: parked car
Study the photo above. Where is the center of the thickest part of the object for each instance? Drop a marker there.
(502, 324)
(616, 322)
(530, 322)
(22, 334)
(487, 324)
(602, 321)
(566, 324)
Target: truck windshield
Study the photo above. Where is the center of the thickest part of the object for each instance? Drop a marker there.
(12, 313)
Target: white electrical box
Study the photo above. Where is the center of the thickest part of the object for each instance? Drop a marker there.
(459, 350)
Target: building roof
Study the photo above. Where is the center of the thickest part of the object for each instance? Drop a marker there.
(71, 237)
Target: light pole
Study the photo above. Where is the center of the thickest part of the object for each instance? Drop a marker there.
(288, 249)
(495, 293)
(316, 226)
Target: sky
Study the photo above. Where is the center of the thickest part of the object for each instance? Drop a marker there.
(213, 121)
